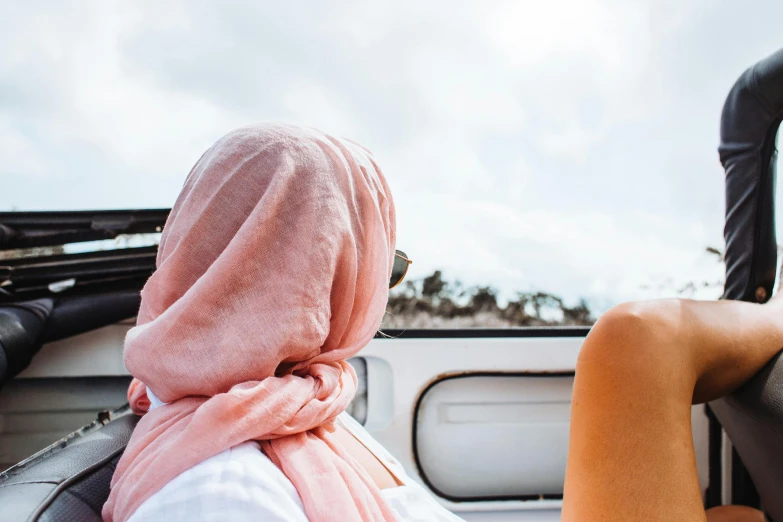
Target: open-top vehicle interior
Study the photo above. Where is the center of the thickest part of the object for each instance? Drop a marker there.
(66, 301)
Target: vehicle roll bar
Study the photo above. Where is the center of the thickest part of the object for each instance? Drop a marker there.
(748, 134)
(752, 416)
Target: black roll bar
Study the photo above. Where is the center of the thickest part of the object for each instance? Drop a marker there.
(748, 134)
(753, 415)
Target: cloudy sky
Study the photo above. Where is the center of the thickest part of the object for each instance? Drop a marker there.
(560, 145)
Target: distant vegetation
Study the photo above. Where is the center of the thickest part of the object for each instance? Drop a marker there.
(434, 302)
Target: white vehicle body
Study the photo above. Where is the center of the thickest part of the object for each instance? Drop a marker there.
(481, 421)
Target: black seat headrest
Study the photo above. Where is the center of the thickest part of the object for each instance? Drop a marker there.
(68, 481)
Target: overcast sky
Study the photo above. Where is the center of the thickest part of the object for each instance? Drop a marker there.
(559, 145)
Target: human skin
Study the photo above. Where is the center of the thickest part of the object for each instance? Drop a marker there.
(642, 366)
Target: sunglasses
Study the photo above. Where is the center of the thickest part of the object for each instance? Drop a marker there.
(399, 269)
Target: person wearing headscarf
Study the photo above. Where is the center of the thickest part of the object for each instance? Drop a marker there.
(273, 269)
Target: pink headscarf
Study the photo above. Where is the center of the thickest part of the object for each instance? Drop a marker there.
(273, 269)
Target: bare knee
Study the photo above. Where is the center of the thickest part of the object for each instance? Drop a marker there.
(631, 331)
(734, 514)
(633, 340)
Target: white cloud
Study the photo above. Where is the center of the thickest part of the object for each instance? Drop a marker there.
(564, 145)
(18, 152)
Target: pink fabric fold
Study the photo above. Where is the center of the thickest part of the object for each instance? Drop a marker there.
(273, 268)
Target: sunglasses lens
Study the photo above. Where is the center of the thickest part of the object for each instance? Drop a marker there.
(399, 269)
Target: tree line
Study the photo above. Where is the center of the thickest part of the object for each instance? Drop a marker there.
(433, 301)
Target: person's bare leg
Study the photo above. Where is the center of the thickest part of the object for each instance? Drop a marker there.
(734, 514)
(642, 366)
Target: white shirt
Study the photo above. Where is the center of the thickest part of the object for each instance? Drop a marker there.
(242, 484)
